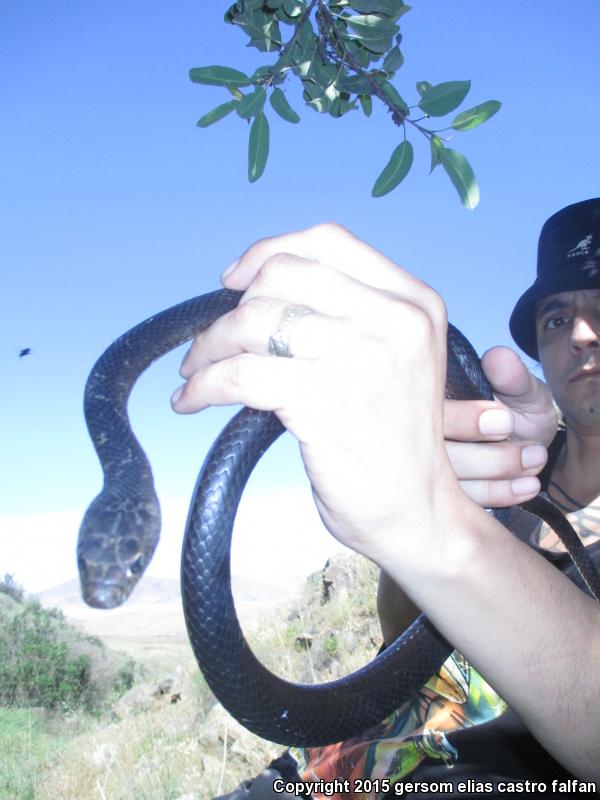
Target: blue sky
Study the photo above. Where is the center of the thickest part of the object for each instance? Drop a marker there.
(114, 205)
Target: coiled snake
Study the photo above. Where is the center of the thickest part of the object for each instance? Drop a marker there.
(121, 527)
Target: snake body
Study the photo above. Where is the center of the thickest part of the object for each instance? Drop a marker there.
(121, 528)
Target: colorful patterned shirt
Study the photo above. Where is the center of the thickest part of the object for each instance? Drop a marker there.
(432, 734)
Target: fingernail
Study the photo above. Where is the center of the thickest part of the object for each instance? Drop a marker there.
(525, 485)
(533, 455)
(176, 395)
(230, 269)
(496, 422)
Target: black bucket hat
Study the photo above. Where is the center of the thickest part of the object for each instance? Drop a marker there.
(568, 259)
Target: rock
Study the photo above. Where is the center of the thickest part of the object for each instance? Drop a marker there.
(304, 639)
(339, 576)
(139, 699)
(164, 686)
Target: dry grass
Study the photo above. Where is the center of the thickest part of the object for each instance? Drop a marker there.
(152, 749)
(157, 751)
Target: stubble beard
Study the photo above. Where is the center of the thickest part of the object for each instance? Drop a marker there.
(587, 414)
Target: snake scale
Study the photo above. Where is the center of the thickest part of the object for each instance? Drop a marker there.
(120, 531)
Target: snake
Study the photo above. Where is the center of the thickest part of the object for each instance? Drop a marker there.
(121, 527)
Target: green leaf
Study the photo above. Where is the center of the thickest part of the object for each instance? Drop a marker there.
(423, 87)
(436, 145)
(372, 25)
(362, 56)
(392, 95)
(341, 105)
(260, 74)
(325, 75)
(282, 16)
(304, 50)
(216, 114)
(476, 116)
(293, 8)
(305, 36)
(252, 103)
(443, 98)
(377, 43)
(366, 102)
(219, 76)
(373, 32)
(315, 97)
(370, 6)
(359, 84)
(320, 88)
(462, 176)
(258, 147)
(262, 28)
(393, 61)
(395, 171)
(266, 44)
(391, 8)
(280, 104)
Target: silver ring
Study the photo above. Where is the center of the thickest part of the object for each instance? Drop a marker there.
(279, 341)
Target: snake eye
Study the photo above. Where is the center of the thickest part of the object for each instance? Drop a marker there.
(135, 567)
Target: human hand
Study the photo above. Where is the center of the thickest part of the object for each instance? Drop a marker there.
(497, 448)
(368, 444)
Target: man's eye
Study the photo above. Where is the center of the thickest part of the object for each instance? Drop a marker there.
(554, 322)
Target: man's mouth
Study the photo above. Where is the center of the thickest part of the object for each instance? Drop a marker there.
(585, 373)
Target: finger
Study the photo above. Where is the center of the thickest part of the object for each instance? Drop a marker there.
(335, 246)
(495, 461)
(367, 311)
(286, 276)
(477, 420)
(249, 328)
(501, 494)
(329, 243)
(266, 384)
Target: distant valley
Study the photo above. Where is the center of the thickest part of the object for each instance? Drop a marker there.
(150, 625)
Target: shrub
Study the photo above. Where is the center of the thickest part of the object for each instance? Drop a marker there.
(9, 586)
(36, 665)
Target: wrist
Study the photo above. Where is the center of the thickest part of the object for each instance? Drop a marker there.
(433, 543)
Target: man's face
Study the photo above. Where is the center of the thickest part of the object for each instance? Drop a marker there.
(568, 336)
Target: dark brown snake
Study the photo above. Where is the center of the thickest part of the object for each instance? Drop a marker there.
(120, 531)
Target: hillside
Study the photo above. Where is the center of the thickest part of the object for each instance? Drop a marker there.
(9, 608)
(47, 661)
(167, 736)
(150, 626)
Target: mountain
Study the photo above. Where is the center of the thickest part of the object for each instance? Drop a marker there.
(153, 616)
(150, 590)
(67, 596)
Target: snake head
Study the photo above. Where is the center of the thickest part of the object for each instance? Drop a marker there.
(117, 539)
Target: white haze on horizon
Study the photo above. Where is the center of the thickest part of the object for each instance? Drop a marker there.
(278, 539)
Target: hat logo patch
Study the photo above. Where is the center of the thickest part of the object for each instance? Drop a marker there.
(582, 248)
(591, 267)
(592, 264)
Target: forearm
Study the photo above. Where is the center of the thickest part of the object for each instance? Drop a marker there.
(396, 610)
(527, 629)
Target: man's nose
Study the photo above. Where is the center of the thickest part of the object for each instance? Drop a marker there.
(584, 334)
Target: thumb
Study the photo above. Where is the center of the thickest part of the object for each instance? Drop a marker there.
(528, 397)
(509, 377)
